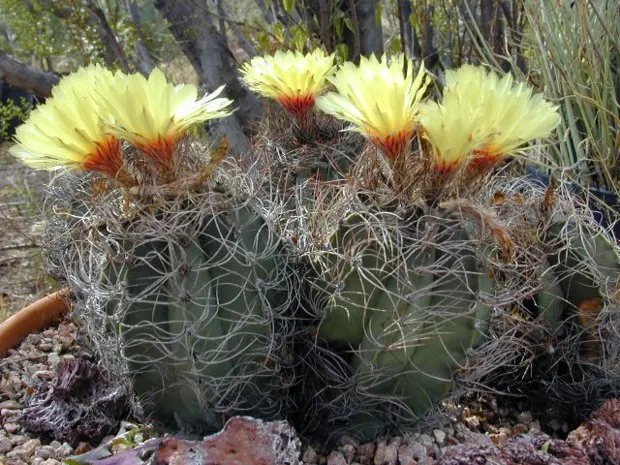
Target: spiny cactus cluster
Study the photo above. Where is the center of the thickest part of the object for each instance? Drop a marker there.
(348, 285)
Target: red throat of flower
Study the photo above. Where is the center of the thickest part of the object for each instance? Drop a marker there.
(445, 168)
(483, 160)
(107, 159)
(161, 150)
(298, 105)
(393, 144)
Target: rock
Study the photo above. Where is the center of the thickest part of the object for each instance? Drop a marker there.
(18, 440)
(83, 403)
(348, 450)
(365, 453)
(600, 436)
(523, 450)
(54, 360)
(16, 462)
(310, 456)
(387, 454)
(5, 446)
(11, 428)
(45, 452)
(16, 454)
(51, 462)
(440, 436)
(9, 404)
(336, 458)
(472, 422)
(243, 441)
(426, 441)
(525, 417)
(30, 446)
(64, 450)
(5, 413)
(411, 452)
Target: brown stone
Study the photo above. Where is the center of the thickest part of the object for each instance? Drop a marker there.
(600, 436)
(243, 441)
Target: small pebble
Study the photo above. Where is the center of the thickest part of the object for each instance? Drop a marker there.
(16, 453)
(309, 456)
(525, 417)
(64, 450)
(411, 453)
(365, 453)
(45, 452)
(387, 454)
(5, 446)
(440, 436)
(53, 359)
(9, 404)
(472, 422)
(11, 428)
(51, 462)
(348, 450)
(336, 458)
(426, 441)
(18, 439)
(30, 446)
(7, 412)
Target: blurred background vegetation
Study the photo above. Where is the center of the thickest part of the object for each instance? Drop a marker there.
(567, 49)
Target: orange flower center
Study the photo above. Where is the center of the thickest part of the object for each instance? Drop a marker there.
(393, 144)
(107, 159)
(297, 105)
(484, 159)
(446, 167)
(161, 149)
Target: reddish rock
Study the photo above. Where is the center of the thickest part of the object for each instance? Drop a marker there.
(600, 436)
(243, 441)
(524, 450)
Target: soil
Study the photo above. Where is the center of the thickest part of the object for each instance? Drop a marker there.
(22, 274)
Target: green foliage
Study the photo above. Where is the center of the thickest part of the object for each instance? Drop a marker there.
(34, 30)
(576, 50)
(10, 112)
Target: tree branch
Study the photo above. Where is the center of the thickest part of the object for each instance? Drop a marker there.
(26, 77)
(206, 50)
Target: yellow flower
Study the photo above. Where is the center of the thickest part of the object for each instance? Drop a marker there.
(66, 131)
(508, 113)
(153, 114)
(379, 99)
(452, 133)
(291, 78)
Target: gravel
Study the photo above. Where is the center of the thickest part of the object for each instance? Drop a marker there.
(22, 371)
(480, 421)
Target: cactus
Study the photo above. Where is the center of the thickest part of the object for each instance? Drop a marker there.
(402, 315)
(195, 292)
(316, 279)
(406, 300)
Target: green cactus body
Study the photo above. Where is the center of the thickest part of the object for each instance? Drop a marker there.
(416, 329)
(238, 272)
(144, 328)
(194, 320)
(348, 308)
(445, 338)
(572, 258)
(198, 320)
(550, 300)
